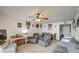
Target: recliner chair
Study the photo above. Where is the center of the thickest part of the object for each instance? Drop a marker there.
(45, 39)
(34, 38)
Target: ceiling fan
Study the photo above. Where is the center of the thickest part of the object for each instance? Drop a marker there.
(39, 17)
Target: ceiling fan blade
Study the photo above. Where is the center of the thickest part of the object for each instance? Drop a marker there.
(45, 18)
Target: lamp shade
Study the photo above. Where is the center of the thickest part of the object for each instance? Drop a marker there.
(24, 30)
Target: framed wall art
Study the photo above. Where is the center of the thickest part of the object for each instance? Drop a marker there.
(40, 25)
(32, 25)
(49, 26)
(27, 23)
(19, 25)
(37, 25)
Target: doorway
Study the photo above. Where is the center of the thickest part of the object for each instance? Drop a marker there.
(65, 31)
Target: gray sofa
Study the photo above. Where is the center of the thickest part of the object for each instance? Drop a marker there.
(67, 47)
(45, 39)
(10, 48)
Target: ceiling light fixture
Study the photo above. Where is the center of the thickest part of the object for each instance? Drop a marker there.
(38, 20)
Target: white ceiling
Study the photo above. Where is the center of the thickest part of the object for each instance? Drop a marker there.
(54, 13)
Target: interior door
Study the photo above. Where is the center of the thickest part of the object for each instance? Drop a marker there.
(65, 30)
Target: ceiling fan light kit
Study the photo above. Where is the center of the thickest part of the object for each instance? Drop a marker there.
(38, 20)
(39, 17)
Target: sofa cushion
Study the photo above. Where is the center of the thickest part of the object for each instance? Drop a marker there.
(71, 47)
(60, 49)
(73, 40)
(10, 49)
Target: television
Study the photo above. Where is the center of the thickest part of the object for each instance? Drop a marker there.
(3, 34)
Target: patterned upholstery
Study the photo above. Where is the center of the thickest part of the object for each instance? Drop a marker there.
(10, 49)
(34, 38)
(45, 39)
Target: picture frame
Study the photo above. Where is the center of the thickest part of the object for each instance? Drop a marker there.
(33, 25)
(40, 25)
(37, 25)
(49, 26)
(19, 25)
(27, 23)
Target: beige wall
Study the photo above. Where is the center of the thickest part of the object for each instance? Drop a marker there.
(10, 24)
(34, 29)
(55, 28)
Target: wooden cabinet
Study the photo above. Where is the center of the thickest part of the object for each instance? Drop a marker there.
(20, 41)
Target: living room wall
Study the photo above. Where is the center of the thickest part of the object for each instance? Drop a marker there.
(76, 30)
(55, 28)
(10, 24)
(33, 29)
